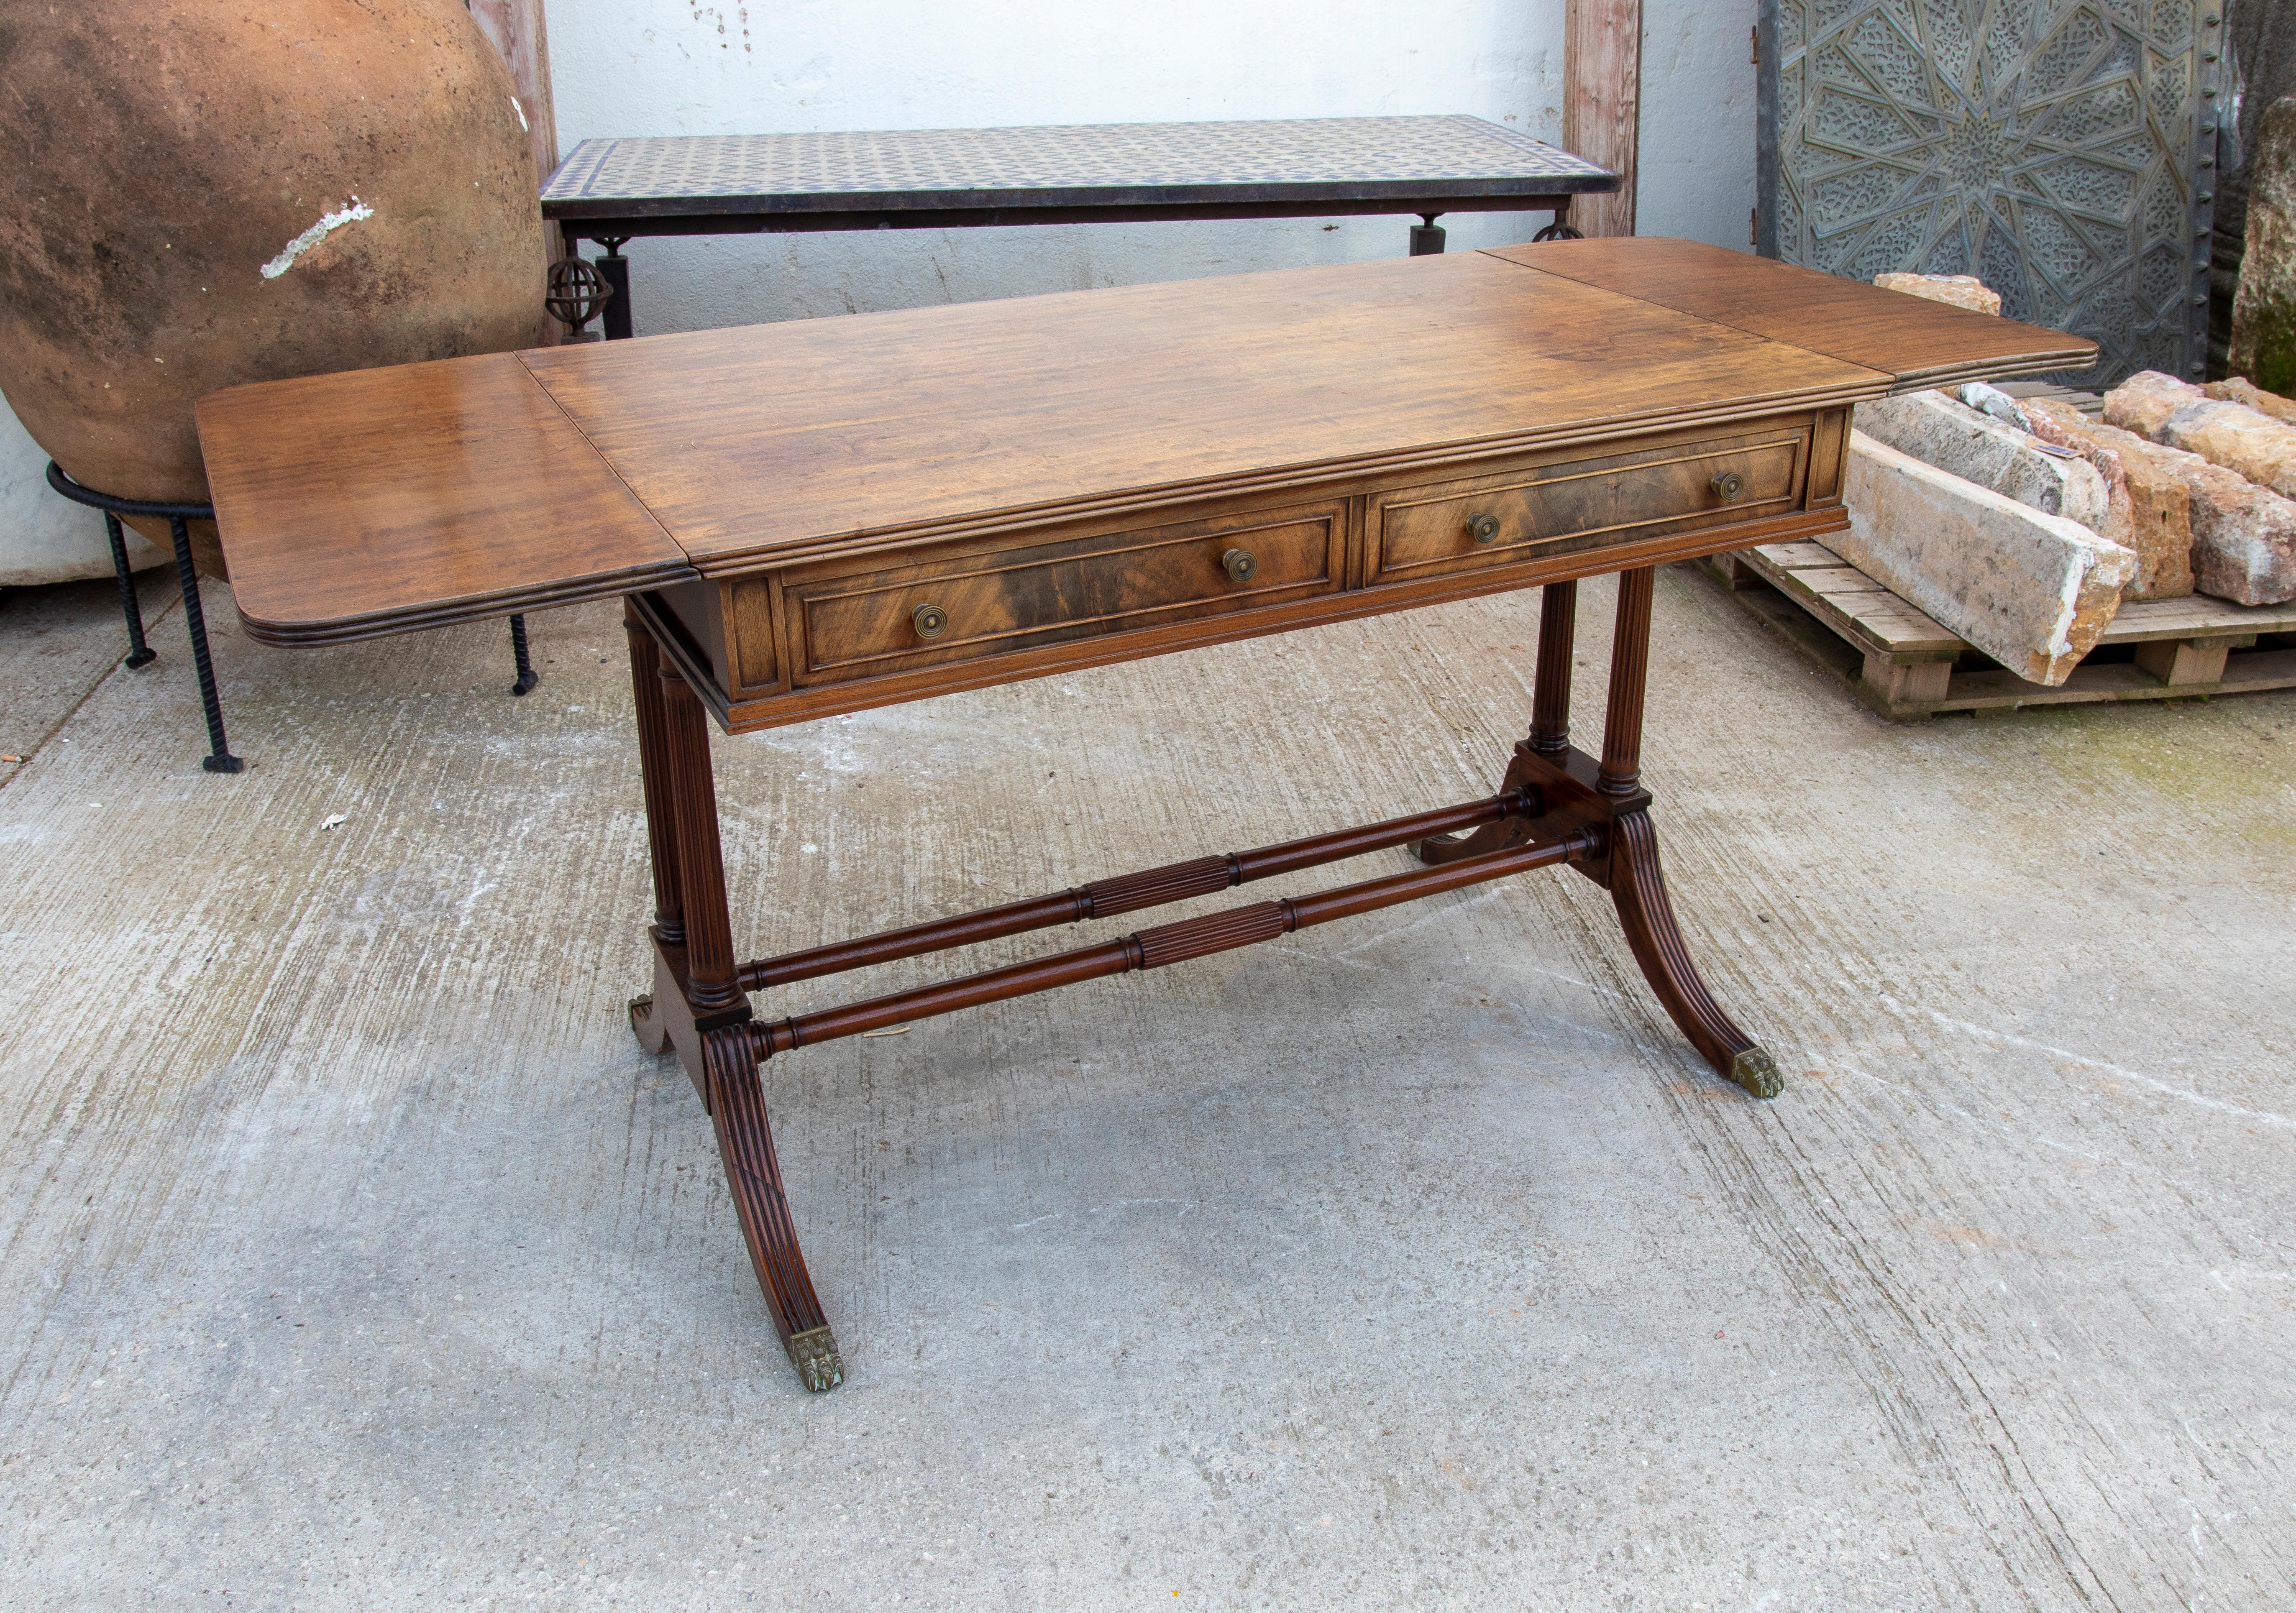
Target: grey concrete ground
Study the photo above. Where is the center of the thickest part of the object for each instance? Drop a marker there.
(355, 1257)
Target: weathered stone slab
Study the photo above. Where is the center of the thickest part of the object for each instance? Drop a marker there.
(2228, 434)
(2144, 402)
(2031, 590)
(2243, 536)
(2239, 438)
(1962, 290)
(2158, 520)
(2234, 389)
(2264, 307)
(1954, 437)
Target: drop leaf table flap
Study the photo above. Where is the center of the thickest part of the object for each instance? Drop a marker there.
(1922, 343)
(379, 501)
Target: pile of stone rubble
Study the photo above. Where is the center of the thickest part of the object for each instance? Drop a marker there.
(2021, 525)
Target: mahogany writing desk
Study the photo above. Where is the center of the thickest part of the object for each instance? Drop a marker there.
(813, 517)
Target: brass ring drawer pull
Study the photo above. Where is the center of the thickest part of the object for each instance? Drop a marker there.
(931, 621)
(1728, 483)
(1482, 528)
(1242, 564)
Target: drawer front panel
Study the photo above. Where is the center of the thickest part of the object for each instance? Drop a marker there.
(1588, 503)
(971, 606)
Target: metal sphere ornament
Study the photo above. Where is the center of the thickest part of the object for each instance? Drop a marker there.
(576, 292)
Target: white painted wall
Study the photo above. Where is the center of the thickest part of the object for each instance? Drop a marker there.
(678, 67)
(45, 538)
(1697, 126)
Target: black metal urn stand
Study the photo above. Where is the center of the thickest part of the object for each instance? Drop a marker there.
(178, 516)
(140, 654)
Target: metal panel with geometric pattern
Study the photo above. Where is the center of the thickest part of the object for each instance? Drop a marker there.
(2062, 150)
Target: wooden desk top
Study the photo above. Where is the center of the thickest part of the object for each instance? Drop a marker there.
(380, 501)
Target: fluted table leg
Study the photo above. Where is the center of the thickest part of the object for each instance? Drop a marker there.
(699, 1009)
(1638, 884)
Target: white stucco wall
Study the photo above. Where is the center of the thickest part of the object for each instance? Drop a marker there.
(678, 67)
(45, 538)
(1697, 126)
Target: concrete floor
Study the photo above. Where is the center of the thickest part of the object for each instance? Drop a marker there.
(355, 1257)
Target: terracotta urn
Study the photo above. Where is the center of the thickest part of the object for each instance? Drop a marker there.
(194, 194)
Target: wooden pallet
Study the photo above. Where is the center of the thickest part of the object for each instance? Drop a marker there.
(1905, 666)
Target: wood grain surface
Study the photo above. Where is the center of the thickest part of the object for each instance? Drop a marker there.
(854, 632)
(1922, 343)
(1578, 504)
(382, 500)
(773, 443)
(748, 711)
(1601, 103)
(1017, 598)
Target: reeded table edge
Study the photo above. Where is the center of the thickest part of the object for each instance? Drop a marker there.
(542, 597)
(1953, 375)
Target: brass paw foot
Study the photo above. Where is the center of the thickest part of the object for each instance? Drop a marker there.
(814, 1354)
(1756, 1071)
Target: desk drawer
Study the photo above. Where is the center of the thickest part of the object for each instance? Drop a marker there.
(869, 623)
(1584, 503)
